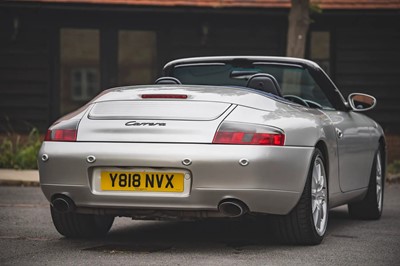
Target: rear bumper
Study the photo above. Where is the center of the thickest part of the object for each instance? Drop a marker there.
(271, 183)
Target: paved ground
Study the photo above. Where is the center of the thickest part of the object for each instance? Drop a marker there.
(27, 237)
(11, 177)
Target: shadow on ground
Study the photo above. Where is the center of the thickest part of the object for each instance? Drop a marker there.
(158, 236)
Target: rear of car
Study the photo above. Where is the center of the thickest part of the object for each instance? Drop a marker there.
(184, 152)
(255, 136)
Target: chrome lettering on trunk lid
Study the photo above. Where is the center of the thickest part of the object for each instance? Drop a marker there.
(151, 124)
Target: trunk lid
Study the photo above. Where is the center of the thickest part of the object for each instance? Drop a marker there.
(122, 115)
(153, 121)
(158, 110)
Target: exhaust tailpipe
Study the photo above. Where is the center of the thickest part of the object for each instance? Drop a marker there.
(63, 204)
(232, 208)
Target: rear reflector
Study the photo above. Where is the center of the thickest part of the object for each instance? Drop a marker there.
(248, 134)
(164, 96)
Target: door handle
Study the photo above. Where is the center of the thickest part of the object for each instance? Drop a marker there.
(339, 133)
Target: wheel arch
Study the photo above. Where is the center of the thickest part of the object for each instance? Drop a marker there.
(321, 145)
(383, 150)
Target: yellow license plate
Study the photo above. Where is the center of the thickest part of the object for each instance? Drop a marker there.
(142, 181)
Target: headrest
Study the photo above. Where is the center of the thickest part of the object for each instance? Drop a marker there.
(167, 80)
(264, 82)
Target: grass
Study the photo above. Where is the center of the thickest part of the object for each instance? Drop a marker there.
(394, 168)
(19, 153)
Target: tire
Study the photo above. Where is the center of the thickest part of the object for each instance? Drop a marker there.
(306, 224)
(371, 207)
(76, 225)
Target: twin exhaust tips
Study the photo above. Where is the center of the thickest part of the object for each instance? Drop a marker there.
(230, 208)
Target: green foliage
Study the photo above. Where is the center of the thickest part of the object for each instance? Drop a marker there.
(394, 167)
(315, 8)
(20, 155)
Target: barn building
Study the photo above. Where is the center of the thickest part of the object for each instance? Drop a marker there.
(55, 55)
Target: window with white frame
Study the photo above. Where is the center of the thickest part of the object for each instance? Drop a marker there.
(84, 83)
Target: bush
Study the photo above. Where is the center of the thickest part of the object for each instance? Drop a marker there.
(20, 155)
(394, 167)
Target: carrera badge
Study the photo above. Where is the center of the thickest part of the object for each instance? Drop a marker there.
(138, 124)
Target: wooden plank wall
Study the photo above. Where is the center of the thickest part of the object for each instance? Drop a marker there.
(365, 56)
(367, 60)
(24, 74)
(223, 39)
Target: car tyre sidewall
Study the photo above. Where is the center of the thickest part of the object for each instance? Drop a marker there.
(368, 209)
(298, 227)
(76, 225)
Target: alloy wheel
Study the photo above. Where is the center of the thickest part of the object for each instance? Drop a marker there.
(319, 202)
(379, 194)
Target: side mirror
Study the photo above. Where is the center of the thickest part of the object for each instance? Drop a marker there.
(360, 102)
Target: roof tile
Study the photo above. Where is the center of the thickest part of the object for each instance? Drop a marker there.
(324, 4)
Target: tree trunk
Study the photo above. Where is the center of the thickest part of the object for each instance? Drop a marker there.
(299, 20)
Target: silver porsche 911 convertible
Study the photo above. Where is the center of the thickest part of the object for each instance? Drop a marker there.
(268, 137)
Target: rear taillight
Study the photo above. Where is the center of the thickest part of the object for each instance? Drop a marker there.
(248, 134)
(61, 135)
(63, 131)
